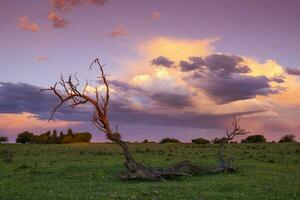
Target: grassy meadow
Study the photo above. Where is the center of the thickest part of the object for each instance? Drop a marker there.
(87, 171)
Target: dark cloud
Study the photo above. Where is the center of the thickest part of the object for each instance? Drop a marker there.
(163, 61)
(292, 71)
(278, 79)
(164, 99)
(196, 63)
(225, 63)
(223, 78)
(172, 100)
(21, 97)
(234, 87)
(186, 119)
(124, 86)
(220, 63)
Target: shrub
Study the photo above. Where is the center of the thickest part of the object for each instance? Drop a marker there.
(254, 139)
(82, 137)
(288, 138)
(220, 140)
(67, 139)
(44, 138)
(145, 141)
(7, 156)
(24, 138)
(169, 140)
(200, 141)
(3, 139)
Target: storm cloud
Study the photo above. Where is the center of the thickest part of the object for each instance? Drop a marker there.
(195, 63)
(225, 78)
(172, 100)
(235, 87)
(21, 97)
(225, 63)
(163, 61)
(292, 71)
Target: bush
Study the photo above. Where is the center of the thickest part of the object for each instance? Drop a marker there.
(82, 137)
(24, 138)
(287, 138)
(44, 138)
(200, 141)
(6, 156)
(220, 140)
(145, 141)
(169, 140)
(3, 139)
(67, 139)
(254, 139)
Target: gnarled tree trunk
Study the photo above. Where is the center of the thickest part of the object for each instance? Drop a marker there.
(70, 94)
(225, 165)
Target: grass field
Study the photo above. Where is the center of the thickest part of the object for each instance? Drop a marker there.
(87, 171)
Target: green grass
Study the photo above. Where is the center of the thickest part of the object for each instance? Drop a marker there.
(87, 171)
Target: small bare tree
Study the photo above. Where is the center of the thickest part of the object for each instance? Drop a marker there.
(69, 93)
(226, 164)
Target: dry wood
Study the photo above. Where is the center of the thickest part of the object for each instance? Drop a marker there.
(226, 164)
(69, 93)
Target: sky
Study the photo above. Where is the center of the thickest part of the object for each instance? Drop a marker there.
(179, 69)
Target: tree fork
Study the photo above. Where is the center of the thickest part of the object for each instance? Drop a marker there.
(72, 96)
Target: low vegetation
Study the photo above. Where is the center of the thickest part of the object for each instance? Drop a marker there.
(287, 138)
(86, 171)
(200, 141)
(52, 138)
(3, 139)
(169, 140)
(254, 139)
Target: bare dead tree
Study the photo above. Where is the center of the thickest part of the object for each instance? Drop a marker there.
(226, 164)
(69, 93)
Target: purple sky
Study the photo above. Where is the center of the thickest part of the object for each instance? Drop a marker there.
(42, 39)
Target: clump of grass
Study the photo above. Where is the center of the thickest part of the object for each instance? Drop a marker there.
(271, 161)
(100, 152)
(160, 152)
(34, 170)
(22, 167)
(7, 156)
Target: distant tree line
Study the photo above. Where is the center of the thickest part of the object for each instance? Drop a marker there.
(249, 139)
(70, 137)
(53, 138)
